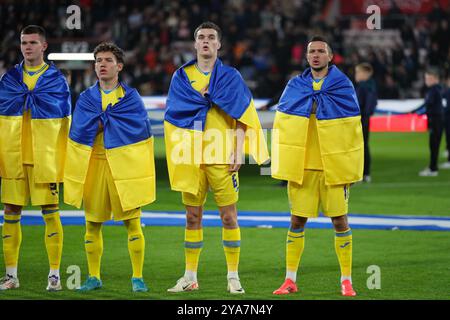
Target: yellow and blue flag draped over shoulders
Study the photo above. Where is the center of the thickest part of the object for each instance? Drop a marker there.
(185, 118)
(338, 124)
(128, 143)
(50, 106)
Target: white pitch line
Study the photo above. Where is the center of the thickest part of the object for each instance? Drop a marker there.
(373, 185)
(399, 222)
(369, 221)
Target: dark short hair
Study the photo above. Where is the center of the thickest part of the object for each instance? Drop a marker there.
(322, 39)
(34, 29)
(110, 47)
(209, 25)
(433, 71)
(66, 72)
(367, 67)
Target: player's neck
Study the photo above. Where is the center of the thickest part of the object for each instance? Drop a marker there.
(34, 63)
(319, 74)
(107, 85)
(206, 64)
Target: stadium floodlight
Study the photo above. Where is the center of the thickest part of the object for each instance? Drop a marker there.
(71, 56)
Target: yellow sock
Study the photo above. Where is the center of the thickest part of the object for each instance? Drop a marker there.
(12, 238)
(136, 245)
(193, 244)
(295, 243)
(232, 247)
(53, 236)
(93, 243)
(343, 246)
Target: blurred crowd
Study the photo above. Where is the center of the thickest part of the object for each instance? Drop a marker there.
(264, 39)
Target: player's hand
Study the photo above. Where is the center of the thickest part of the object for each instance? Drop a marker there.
(237, 155)
(204, 91)
(235, 162)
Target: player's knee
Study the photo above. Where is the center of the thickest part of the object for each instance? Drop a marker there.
(12, 209)
(298, 222)
(340, 223)
(229, 220)
(193, 218)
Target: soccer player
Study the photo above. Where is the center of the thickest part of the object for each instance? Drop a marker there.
(34, 124)
(366, 92)
(110, 163)
(318, 148)
(207, 103)
(435, 116)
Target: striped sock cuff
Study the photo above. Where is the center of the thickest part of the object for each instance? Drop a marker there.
(231, 244)
(231, 238)
(12, 218)
(193, 245)
(299, 230)
(295, 234)
(193, 239)
(345, 233)
(50, 211)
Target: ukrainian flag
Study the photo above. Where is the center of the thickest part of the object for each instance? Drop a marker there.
(128, 143)
(185, 118)
(338, 124)
(50, 107)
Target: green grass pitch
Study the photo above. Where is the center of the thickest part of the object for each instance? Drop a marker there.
(413, 264)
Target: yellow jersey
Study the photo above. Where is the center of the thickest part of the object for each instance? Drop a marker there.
(30, 78)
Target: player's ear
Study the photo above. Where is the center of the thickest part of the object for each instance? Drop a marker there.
(195, 45)
(219, 45)
(44, 46)
(120, 66)
(330, 57)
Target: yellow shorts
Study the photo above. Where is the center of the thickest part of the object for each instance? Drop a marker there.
(101, 200)
(20, 191)
(224, 184)
(306, 199)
